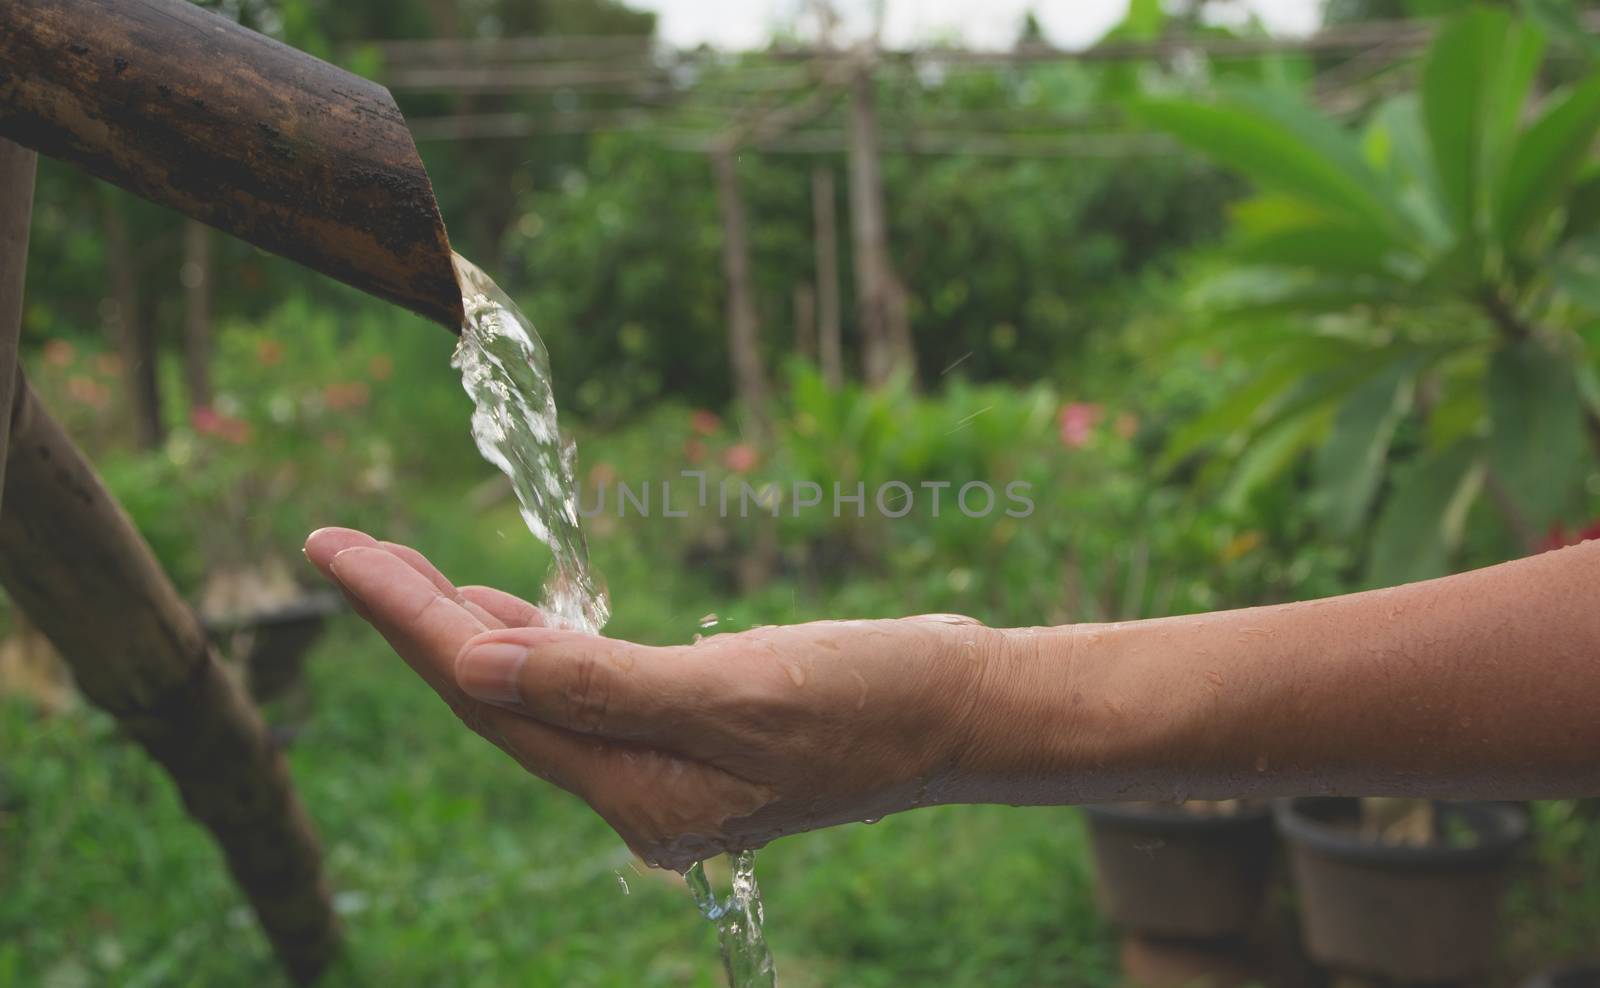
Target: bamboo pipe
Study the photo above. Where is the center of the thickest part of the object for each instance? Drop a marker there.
(192, 111)
(73, 562)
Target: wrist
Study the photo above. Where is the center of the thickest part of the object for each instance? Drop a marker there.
(1041, 727)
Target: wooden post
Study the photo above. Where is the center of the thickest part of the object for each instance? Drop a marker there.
(195, 276)
(133, 334)
(744, 325)
(73, 562)
(16, 210)
(805, 320)
(880, 303)
(826, 236)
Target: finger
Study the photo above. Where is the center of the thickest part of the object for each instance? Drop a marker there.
(417, 561)
(594, 685)
(325, 543)
(426, 626)
(511, 610)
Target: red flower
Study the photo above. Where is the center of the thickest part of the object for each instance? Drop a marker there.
(1077, 421)
(1558, 536)
(741, 458)
(704, 421)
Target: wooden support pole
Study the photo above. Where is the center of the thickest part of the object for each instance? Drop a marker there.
(195, 276)
(804, 301)
(16, 211)
(73, 562)
(826, 238)
(744, 325)
(880, 299)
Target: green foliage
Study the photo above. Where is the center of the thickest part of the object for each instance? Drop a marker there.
(1402, 276)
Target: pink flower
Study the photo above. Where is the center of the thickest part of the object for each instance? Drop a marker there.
(59, 353)
(346, 394)
(1077, 421)
(88, 391)
(704, 421)
(741, 458)
(209, 422)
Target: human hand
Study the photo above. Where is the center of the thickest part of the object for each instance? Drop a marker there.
(694, 749)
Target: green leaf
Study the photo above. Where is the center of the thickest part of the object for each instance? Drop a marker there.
(1271, 452)
(1326, 247)
(1350, 463)
(1560, 19)
(1281, 145)
(1536, 446)
(1422, 520)
(1546, 162)
(1474, 81)
(1577, 273)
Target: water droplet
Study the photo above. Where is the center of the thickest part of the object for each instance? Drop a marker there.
(796, 673)
(710, 621)
(1261, 762)
(622, 883)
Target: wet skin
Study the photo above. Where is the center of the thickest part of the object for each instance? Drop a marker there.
(1482, 685)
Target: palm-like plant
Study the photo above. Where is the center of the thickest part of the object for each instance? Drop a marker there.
(1432, 277)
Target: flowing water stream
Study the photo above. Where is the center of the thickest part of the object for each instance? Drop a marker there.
(506, 371)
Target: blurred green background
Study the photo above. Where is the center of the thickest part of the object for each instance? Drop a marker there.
(1256, 321)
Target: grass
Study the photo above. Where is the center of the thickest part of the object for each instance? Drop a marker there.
(453, 867)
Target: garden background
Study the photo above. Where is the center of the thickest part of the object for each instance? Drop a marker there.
(1258, 320)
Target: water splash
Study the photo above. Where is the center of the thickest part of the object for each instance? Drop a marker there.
(506, 371)
(745, 955)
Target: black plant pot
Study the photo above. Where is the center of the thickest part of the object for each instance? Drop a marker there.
(1161, 871)
(1411, 913)
(1571, 976)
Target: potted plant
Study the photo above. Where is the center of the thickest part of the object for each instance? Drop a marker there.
(1185, 883)
(1403, 892)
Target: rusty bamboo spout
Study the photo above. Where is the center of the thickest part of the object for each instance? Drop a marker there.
(192, 111)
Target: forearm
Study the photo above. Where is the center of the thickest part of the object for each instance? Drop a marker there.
(1485, 684)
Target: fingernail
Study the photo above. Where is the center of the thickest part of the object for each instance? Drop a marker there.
(490, 672)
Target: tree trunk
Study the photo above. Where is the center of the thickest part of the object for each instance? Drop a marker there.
(196, 277)
(16, 212)
(829, 351)
(135, 337)
(744, 327)
(71, 560)
(880, 302)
